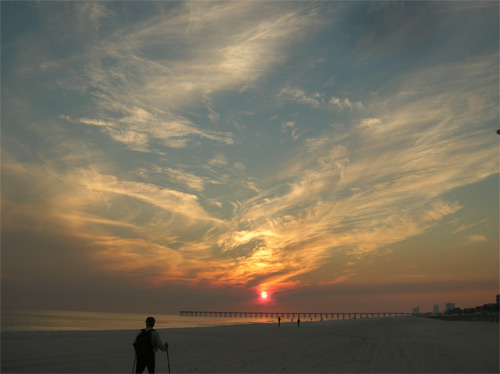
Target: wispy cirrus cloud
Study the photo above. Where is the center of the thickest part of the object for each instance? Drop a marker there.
(120, 76)
(181, 176)
(169, 200)
(186, 146)
(345, 103)
(290, 128)
(141, 129)
(476, 238)
(317, 100)
(91, 13)
(470, 226)
(298, 95)
(337, 197)
(353, 193)
(142, 94)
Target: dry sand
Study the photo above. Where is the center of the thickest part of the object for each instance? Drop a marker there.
(385, 345)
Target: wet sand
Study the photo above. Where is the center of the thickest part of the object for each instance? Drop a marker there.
(380, 345)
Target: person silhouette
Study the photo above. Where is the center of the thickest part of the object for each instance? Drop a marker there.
(146, 343)
(298, 322)
(279, 321)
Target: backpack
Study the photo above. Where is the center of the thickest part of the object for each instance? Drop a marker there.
(143, 344)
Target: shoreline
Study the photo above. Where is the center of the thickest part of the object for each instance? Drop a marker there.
(70, 320)
(397, 344)
(60, 320)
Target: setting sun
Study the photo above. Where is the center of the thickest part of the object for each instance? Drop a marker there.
(263, 294)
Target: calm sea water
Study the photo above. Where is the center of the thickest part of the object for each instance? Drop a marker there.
(51, 320)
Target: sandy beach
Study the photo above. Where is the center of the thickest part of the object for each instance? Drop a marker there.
(390, 345)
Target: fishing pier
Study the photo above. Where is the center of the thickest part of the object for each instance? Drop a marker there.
(334, 315)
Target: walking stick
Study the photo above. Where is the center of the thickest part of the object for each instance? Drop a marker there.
(168, 361)
(133, 366)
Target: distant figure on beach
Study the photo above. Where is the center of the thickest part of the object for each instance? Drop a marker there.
(279, 321)
(146, 343)
(298, 322)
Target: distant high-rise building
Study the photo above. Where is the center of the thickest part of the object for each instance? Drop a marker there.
(450, 306)
(435, 309)
(416, 310)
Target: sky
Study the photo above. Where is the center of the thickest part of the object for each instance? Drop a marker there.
(165, 156)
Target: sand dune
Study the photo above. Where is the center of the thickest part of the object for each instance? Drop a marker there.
(390, 345)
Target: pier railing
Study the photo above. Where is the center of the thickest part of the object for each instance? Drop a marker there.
(320, 315)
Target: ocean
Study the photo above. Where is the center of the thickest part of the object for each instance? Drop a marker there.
(54, 320)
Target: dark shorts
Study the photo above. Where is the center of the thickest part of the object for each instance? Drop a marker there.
(145, 362)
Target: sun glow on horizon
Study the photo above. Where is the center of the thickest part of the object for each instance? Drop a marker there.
(264, 295)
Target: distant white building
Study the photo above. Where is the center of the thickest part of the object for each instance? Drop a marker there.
(416, 310)
(450, 306)
(435, 309)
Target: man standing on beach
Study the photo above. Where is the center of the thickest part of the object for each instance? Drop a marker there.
(146, 343)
